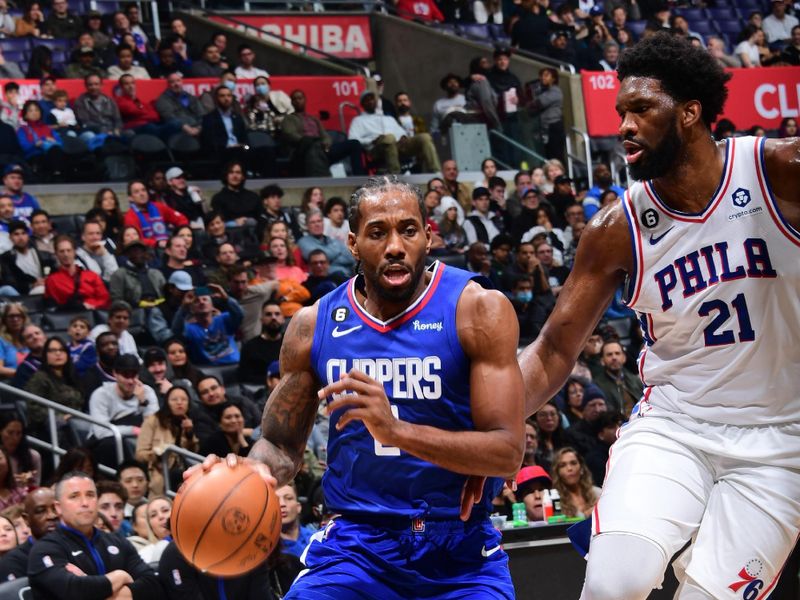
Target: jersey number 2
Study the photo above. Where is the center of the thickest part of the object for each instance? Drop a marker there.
(712, 335)
(380, 449)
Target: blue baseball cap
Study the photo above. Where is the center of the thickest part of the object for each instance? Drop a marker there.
(274, 369)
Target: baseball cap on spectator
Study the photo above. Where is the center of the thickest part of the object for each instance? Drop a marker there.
(126, 363)
(85, 50)
(264, 258)
(528, 190)
(154, 355)
(134, 244)
(562, 179)
(378, 78)
(502, 51)
(13, 169)
(181, 280)
(480, 191)
(274, 369)
(94, 14)
(528, 476)
(173, 172)
(558, 34)
(596, 10)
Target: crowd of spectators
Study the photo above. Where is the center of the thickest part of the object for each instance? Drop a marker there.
(169, 324)
(590, 34)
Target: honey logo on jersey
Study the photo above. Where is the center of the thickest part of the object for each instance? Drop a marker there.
(748, 579)
(741, 197)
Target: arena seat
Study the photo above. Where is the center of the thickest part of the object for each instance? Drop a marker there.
(65, 224)
(722, 13)
(15, 589)
(59, 320)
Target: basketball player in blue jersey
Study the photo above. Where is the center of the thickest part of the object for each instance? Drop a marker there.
(708, 239)
(418, 368)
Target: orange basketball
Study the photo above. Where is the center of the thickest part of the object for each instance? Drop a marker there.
(226, 521)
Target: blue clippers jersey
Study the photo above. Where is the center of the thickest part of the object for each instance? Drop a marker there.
(418, 358)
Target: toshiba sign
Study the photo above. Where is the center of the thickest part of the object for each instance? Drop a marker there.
(344, 36)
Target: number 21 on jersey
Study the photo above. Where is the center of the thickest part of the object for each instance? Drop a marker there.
(721, 313)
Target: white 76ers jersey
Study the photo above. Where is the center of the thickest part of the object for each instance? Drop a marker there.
(717, 297)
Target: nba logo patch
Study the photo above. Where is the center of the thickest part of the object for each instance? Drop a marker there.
(741, 197)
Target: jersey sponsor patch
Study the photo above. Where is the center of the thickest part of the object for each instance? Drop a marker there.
(741, 197)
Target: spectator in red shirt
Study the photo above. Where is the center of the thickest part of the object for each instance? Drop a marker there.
(138, 116)
(70, 287)
(150, 219)
(419, 10)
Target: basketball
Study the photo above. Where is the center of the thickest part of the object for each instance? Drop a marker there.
(226, 521)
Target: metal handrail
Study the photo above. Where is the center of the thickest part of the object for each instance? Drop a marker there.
(586, 158)
(52, 408)
(616, 172)
(173, 449)
(305, 49)
(517, 145)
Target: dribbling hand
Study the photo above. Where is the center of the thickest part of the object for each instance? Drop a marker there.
(364, 400)
(232, 460)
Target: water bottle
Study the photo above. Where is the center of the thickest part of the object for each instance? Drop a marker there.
(547, 506)
(519, 514)
(556, 498)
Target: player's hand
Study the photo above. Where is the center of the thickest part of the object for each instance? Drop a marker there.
(363, 399)
(471, 494)
(232, 460)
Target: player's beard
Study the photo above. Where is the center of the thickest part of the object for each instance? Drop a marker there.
(402, 294)
(659, 160)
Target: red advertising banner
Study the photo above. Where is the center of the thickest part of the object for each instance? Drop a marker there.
(344, 36)
(755, 96)
(324, 94)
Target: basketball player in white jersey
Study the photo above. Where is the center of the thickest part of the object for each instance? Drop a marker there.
(708, 240)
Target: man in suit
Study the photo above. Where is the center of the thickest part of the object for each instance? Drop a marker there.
(224, 134)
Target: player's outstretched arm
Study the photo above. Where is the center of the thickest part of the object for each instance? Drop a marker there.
(488, 331)
(604, 257)
(292, 406)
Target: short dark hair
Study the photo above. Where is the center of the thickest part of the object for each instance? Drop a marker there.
(40, 211)
(495, 181)
(700, 77)
(335, 201)
(119, 306)
(211, 215)
(243, 47)
(208, 45)
(123, 47)
(16, 225)
(271, 189)
(11, 86)
(519, 174)
(314, 253)
(132, 182)
(107, 486)
(132, 464)
(379, 184)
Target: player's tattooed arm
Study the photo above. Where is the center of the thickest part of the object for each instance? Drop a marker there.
(292, 407)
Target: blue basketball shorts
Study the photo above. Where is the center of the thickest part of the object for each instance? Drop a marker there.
(397, 559)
